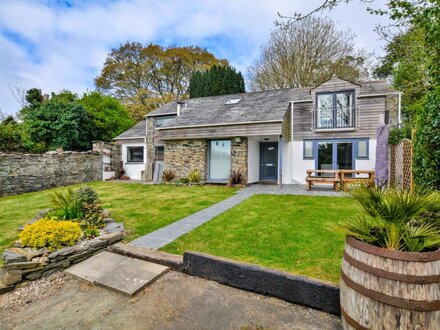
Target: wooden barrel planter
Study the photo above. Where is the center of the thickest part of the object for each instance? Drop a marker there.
(384, 289)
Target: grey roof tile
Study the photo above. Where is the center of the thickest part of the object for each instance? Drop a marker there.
(138, 130)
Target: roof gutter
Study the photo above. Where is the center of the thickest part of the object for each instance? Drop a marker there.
(222, 124)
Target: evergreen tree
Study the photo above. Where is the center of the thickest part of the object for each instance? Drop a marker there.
(218, 80)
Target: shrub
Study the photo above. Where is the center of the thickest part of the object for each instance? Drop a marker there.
(396, 220)
(194, 176)
(168, 176)
(87, 196)
(50, 233)
(184, 180)
(236, 177)
(91, 232)
(67, 205)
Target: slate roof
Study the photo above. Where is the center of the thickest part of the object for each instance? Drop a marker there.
(137, 131)
(254, 107)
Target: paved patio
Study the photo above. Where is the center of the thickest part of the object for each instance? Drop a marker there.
(165, 235)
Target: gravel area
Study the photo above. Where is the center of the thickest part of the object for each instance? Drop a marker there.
(30, 291)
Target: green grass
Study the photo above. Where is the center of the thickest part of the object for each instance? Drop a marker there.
(142, 208)
(298, 234)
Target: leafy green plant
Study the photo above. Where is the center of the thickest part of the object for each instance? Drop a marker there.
(168, 176)
(194, 176)
(396, 219)
(184, 180)
(50, 233)
(87, 196)
(67, 205)
(91, 232)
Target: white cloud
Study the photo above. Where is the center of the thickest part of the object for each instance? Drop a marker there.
(54, 47)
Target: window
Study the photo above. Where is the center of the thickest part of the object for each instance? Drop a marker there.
(308, 149)
(233, 101)
(160, 121)
(362, 149)
(219, 159)
(335, 110)
(135, 154)
(159, 152)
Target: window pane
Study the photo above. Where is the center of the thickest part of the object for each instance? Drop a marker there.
(135, 154)
(324, 116)
(220, 159)
(344, 156)
(325, 156)
(308, 149)
(159, 152)
(163, 120)
(363, 148)
(344, 102)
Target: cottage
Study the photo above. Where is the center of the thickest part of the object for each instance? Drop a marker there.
(272, 136)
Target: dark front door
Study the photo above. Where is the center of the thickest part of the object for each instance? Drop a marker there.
(268, 161)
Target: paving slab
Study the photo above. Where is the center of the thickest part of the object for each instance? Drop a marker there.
(117, 272)
(92, 269)
(132, 276)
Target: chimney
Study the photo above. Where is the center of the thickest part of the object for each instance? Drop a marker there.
(179, 107)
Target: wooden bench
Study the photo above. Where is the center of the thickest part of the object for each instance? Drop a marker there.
(323, 177)
(356, 177)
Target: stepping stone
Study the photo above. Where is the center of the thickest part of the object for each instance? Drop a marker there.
(116, 272)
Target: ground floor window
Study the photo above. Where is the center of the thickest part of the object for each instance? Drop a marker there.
(159, 152)
(135, 154)
(336, 154)
(219, 159)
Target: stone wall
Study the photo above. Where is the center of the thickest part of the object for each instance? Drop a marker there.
(20, 173)
(184, 156)
(239, 156)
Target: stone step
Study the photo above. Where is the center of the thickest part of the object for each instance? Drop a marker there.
(117, 272)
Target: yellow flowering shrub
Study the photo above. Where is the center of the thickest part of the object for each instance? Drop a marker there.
(50, 233)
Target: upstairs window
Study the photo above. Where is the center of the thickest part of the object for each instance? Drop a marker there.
(135, 154)
(160, 121)
(335, 110)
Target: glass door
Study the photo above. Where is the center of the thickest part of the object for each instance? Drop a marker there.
(219, 160)
(334, 155)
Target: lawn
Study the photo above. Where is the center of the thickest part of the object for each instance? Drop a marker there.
(142, 208)
(298, 234)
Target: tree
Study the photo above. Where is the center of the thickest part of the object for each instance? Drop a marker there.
(218, 80)
(406, 64)
(11, 136)
(145, 77)
(108, 117)
(306, 53)
(58, 122)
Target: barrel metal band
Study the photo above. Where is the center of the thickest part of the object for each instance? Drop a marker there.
(393, 301)
(416, 279)
(351, 321)
(398, 255)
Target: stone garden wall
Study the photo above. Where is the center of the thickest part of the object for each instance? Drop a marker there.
(20, 173)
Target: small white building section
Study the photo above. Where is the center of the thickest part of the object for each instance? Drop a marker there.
(134, 150)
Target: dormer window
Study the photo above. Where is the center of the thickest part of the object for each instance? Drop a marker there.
(233, 101)
(334, 110)
(160, 121)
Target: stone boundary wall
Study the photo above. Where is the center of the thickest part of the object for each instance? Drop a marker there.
(21, 173)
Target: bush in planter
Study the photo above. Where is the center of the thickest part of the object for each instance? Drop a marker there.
(397, 219)
(168, 175)
(235, 178)
(50, 233)
(184, 180)
(67, 206)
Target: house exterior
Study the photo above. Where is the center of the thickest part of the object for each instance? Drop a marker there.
(133, 150)
(272, 136)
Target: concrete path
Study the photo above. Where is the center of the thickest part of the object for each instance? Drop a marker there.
(165, 235)
(116, 272)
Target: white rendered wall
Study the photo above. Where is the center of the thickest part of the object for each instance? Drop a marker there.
(253, 160)
(133, 170)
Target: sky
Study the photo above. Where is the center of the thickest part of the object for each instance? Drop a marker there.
(56, 44)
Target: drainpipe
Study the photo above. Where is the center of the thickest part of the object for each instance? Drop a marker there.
(280, 161)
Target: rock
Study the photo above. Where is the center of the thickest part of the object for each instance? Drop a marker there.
(108, 220)
(13, 255)
(112, 237)
(5, 289)
(9, 276)
(18, 244)
(59, 264)
(22, 265)
(82, 256)
(97, 243)
(40, 214)
(114, 227)
(51, 272)
(59, 254)
(41, 260)
(34, 275)
(28, 271)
